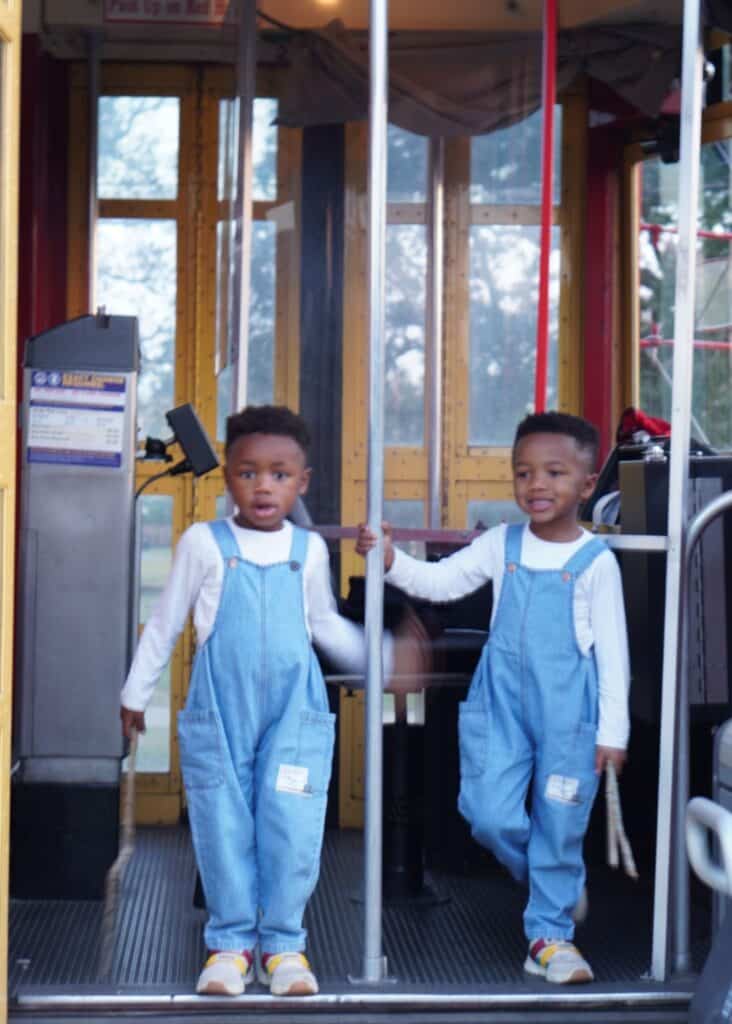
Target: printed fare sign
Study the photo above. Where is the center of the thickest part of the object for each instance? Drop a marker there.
(187, 12)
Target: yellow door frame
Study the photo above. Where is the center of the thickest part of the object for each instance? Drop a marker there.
(196, 211)
(10, 39)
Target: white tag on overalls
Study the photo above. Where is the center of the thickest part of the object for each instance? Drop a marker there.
(293, 778)
(562, 788)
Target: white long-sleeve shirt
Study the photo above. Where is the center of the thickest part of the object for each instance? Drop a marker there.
(195, 581)
(599, 612)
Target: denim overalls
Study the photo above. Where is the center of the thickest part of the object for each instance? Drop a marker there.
(531, 719)
(256, 746)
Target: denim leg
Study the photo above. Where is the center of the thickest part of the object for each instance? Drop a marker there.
(293, 771)
(564, 790)
(222, 827)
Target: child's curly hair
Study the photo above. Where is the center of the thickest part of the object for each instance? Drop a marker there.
(267, 419)
(582, 431)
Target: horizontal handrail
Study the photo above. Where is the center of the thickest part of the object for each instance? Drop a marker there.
(617, 541)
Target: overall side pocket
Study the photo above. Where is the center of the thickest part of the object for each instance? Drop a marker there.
(316, 737)
(472, 739)
(201, 758)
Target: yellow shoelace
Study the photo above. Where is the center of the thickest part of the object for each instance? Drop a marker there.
(276, 960)
(241, 961)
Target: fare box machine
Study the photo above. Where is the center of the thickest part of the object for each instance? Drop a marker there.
(75, 581)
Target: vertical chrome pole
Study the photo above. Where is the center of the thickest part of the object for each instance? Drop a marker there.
(674, 757)
(246, 83)
(435, 281)
(94, 46)
(374, 963)
(548, 99)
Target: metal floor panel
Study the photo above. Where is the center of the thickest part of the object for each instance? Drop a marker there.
(470, 944)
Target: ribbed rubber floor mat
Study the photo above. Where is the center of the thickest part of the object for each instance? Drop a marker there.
(471, 936)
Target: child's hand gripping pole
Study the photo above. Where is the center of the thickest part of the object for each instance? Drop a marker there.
(113, 883)
(618, 846)
(366, 540)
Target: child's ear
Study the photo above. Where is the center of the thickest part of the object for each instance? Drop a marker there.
(589, 485)
(305, 480)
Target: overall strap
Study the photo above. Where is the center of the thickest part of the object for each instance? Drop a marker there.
(299, 547)
(586, 555)
(514, 533)
(225, 539)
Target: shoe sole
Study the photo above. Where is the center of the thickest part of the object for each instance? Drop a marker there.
(578, 976)
(219, 988)
(297, 988)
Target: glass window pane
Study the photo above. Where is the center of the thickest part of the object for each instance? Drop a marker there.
(264, 149)
(407, 166)
(406, 267)
(136, 276)
(138, 147)
(485, 514)
(505, 166)
(156, 558)
(228, 148)
(504, 284)
(406, 512)
(658, 244)
(260, 379)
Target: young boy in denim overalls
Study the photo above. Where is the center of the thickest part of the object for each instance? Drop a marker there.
(548, 705)
(256, 735)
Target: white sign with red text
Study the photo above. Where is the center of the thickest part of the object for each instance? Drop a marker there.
(185, 12)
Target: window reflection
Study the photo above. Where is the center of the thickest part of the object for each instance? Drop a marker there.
(505, 166)
(406, 166)
(136, 276)
(138, 147)
(156, 513)
(260, 372)
(406, 267)
(406, 512)
(658, 244)
(504, 283)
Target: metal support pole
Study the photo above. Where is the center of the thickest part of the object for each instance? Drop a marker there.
(246, 69)
(94, 47)
(674, 756)
(548, 98)
(435, 280)
(374, 963)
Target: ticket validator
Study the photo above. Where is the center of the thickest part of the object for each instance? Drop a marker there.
(73, 612)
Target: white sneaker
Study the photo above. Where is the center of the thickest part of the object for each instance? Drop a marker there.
(287, 974)
(557, 961)
(225, 974)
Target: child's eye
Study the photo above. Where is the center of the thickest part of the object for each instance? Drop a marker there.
(280, 475)
(247, 474)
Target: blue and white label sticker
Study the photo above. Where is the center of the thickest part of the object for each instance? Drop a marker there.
(76, 418)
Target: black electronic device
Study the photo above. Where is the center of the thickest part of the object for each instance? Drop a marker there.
(200, 456)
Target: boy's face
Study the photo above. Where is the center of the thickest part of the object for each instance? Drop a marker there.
(552, 476)
(265, 473)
